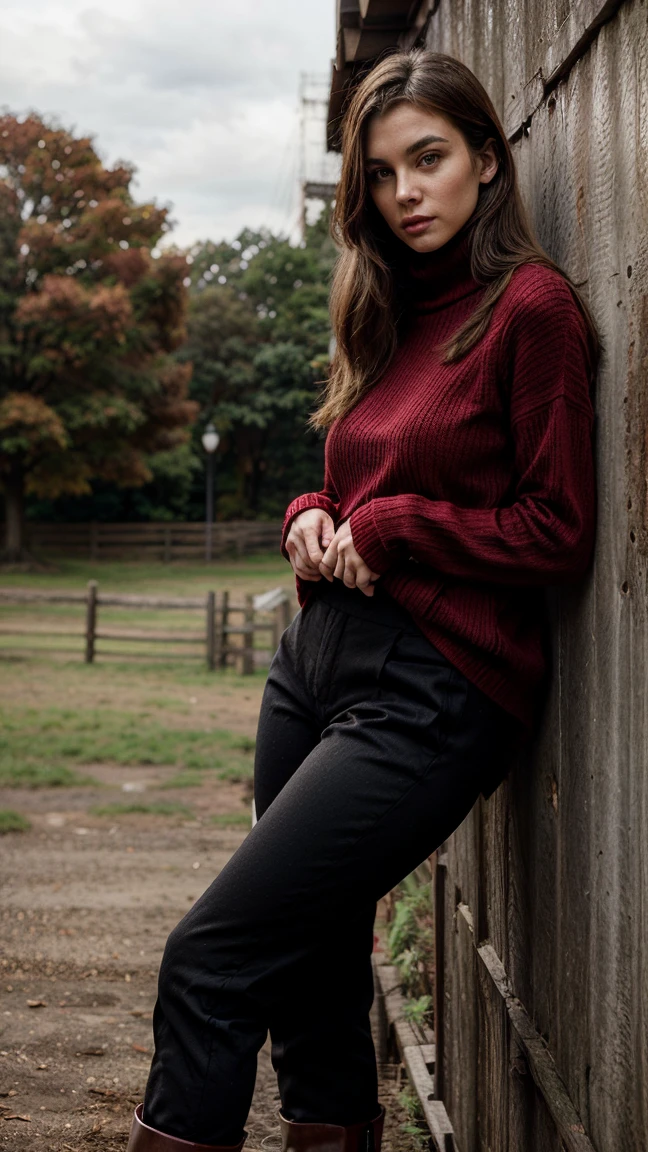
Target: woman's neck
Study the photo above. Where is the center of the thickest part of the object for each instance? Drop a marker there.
(437, 279)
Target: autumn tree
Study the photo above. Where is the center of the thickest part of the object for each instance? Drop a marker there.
(89, 318)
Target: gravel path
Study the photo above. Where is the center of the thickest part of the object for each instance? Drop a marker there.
(87, 905)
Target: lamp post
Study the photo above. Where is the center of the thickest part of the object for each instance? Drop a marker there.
(210, 440)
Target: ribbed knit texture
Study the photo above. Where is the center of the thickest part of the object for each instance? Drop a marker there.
(470, 486)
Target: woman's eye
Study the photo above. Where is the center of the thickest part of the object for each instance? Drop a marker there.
(430, 159)
(379, 173)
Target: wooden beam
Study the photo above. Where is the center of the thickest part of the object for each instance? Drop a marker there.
(541, 1063)
(91, 622)
(360, 44)
(439, 865)
(396, 13)
(438, 1121)
(570, 43)
(419, 1056)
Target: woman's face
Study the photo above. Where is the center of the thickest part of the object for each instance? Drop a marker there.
(422, 176)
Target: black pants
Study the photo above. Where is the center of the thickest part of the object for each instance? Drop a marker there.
(371, 750)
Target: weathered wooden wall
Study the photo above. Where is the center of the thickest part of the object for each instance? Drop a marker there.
(552, 870)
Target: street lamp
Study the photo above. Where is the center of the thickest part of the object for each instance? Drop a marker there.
(210, 440)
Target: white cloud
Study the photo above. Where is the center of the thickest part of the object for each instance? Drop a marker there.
(200, 96)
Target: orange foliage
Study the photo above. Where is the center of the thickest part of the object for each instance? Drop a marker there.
(89, 316)
(28, 427)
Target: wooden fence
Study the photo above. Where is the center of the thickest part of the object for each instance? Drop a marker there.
(154, 541)
(268, 613)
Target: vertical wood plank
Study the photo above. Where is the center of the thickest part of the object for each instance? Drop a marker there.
(438, 860)
(91, 622)
(248, 636)
(211, 631)
(224, 621)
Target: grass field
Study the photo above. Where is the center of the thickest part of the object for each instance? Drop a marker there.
(180, 578)
(62, 720)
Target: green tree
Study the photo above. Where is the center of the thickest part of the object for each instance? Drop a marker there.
(88, 321)
(258, 341)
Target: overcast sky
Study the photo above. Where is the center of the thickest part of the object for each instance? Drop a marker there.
(201, 95)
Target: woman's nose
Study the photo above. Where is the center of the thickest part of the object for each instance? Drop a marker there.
(406, 190)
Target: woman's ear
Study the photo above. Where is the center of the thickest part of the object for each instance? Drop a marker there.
(488, 161)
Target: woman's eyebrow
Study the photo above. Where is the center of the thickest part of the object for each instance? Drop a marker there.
(422, 143)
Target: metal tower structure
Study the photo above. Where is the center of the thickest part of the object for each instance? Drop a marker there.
(319, 169)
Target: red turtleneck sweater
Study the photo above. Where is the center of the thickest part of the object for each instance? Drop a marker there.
(470, 486)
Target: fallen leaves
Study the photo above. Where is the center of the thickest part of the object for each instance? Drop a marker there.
(37, 1004)
(6, 1113)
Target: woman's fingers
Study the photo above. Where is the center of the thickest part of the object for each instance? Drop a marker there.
(341, 561)
(303, 542)
(366, 580)
(328, 563)
(297, 551)
(310, 538)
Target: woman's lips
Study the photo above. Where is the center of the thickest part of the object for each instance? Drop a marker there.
(416, 224)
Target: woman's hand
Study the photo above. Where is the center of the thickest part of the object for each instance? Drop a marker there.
(342, 560)
(307, 531)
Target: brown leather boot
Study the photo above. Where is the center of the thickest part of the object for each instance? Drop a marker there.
(332, 1137)
(145, 1139)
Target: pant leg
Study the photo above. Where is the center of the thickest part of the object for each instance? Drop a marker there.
(281, 937)
(193, 1045)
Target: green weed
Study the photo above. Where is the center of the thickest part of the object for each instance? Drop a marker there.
(415, 1125)
(11, 821)
(419, 1010)
(186, 780)
(142, 808)
(232, 820)
(28, 773)
(38, 745)
(411, 939)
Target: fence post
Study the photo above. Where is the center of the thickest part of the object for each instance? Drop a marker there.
(281, 621)
(223, 644)
(91, 621)
(211, 631)
(439, 865)
(248, 637)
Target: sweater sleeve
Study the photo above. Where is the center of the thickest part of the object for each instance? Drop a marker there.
(546, 533)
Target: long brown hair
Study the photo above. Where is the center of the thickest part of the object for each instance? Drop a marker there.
(365, 305)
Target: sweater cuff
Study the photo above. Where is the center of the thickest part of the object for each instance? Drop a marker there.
(368, 543)
(303, 504)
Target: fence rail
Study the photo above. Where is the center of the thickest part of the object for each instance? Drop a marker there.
(268, 613)
(154, 541)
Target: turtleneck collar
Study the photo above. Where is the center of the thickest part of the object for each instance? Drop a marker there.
(440, 278)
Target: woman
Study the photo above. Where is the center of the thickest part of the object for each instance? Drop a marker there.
(459, 481)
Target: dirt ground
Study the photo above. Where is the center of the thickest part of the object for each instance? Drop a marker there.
(88, 901)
